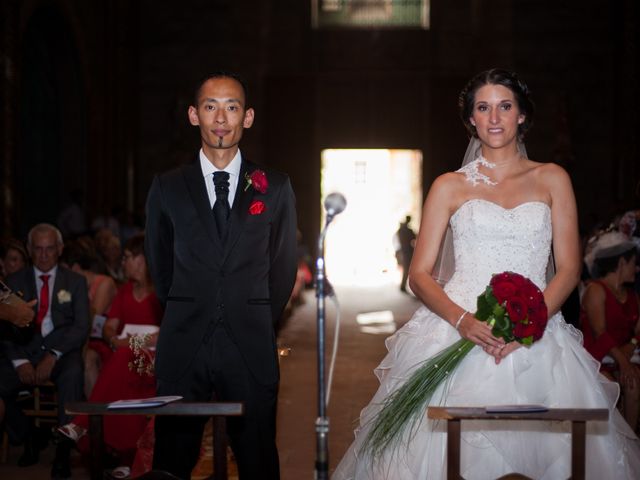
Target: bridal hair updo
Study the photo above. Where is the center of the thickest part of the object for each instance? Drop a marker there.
(497, 76)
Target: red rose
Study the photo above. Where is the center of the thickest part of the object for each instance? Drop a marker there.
(504, 286)
(519, 280)
(539, 313)
(532, 294)
(538, 330)
(258, 179)
(503, 290)
(257, 207)
(521, 330)
(500, 277)
(538, 317)
(516, 309)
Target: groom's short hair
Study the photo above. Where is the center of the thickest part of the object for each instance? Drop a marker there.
(221, 74)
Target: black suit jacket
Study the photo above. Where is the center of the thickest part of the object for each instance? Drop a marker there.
(244, 282)
(70, 316)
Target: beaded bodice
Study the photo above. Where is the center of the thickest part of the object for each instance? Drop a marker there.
(488, 239)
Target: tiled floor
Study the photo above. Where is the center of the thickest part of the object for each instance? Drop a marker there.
(353, 383)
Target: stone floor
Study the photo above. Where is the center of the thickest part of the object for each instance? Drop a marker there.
(361, 347)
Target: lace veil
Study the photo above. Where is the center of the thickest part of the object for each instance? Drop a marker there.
(445, 263)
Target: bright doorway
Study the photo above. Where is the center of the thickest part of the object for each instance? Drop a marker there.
(382, 187)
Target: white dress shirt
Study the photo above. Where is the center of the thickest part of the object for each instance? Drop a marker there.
(233, 169)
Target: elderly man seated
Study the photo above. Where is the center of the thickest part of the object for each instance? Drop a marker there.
(50, 349)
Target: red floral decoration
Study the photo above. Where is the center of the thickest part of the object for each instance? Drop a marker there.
(257, 179)
(523, 302)
(257, 207)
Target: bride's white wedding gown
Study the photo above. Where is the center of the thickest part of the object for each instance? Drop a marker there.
(556, 372)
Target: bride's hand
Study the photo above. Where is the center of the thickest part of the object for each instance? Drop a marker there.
(502, 352)
(479, 333)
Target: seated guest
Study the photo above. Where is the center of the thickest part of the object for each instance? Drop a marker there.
(135, 302)
(20, 315)
(14, 257)
(609, 315)
(109, 249)
(51, 349)
(102, 290)
(123, 375)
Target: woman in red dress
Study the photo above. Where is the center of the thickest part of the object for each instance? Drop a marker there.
(609, 316)
(135, 303)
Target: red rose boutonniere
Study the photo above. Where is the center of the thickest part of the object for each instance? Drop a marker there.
(258, 179)
(257, 207)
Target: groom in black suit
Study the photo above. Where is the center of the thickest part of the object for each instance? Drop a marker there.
(221, 247)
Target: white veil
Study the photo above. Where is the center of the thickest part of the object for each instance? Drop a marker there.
(445, 264)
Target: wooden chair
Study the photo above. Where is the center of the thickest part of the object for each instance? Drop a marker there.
(217, 410)
(41, 404)
(44, 408)
(577, 416)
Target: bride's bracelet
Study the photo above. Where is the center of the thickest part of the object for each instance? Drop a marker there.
(460, 319)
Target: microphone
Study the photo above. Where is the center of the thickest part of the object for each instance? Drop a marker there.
(334, 204)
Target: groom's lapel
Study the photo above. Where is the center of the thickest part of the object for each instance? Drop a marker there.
(200, 199)
(239, 210)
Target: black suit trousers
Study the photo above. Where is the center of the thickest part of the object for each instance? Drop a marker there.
(219, 371)
(67, 375)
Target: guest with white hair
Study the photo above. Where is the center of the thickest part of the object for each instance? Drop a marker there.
(51, 348)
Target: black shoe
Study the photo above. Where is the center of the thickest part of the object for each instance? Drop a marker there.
(30, 454)
(61, 469)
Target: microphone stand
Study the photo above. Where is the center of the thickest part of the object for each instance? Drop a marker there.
(322, 422)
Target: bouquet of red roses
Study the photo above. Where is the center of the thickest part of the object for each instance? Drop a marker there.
(514, 307)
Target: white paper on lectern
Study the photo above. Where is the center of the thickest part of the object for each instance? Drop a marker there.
(524, 408)
(144, 402)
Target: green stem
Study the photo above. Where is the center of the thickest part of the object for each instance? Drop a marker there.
(407, 403)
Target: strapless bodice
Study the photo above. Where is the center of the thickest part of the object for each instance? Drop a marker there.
(489, 239)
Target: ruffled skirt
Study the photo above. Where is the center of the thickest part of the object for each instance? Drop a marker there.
(556, 372)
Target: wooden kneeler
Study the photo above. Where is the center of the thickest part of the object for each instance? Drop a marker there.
(217, 410)
(577, 416)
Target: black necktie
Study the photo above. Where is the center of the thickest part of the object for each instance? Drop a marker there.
(221, 205)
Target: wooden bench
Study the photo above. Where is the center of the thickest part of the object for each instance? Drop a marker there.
(577, 416)
(217, 410)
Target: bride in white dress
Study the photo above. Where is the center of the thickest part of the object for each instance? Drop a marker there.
(506, 213)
